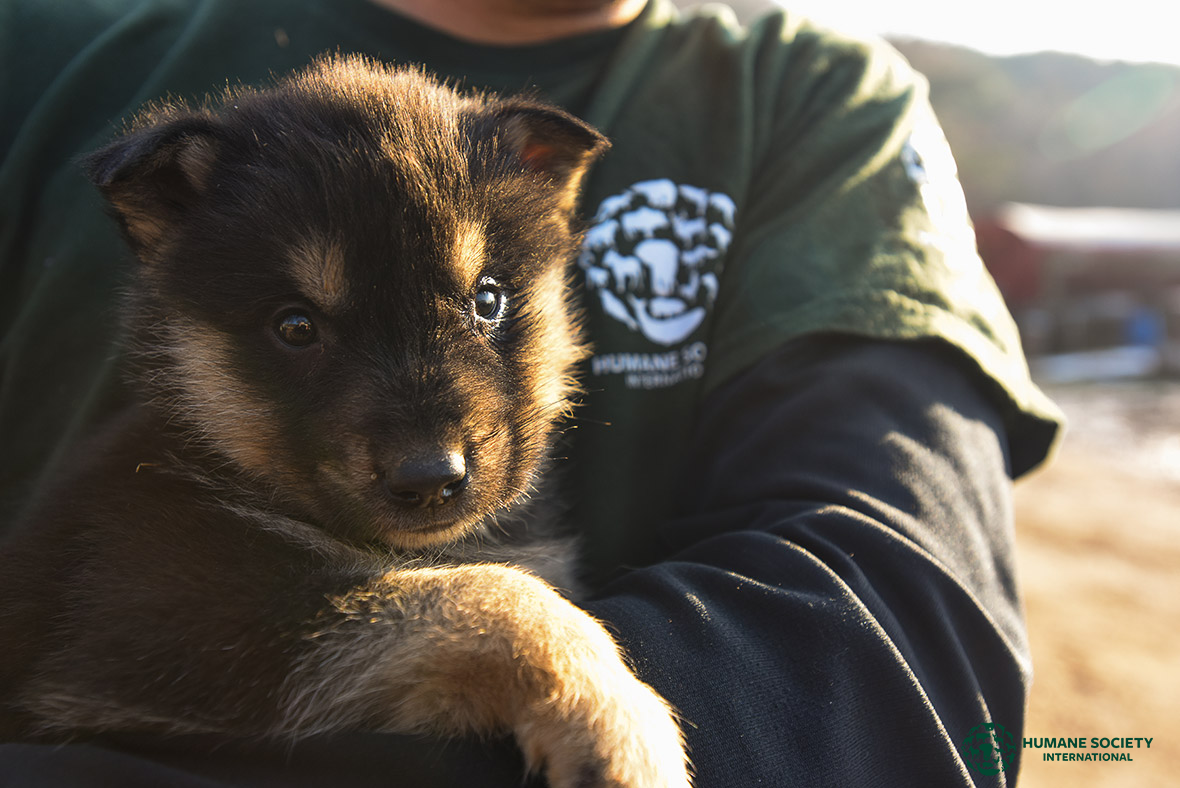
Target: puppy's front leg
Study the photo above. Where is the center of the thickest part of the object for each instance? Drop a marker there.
(488, 648)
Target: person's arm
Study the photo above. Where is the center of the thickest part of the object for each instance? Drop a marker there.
(842, 609)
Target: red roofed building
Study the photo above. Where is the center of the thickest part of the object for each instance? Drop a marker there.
(1086, 278)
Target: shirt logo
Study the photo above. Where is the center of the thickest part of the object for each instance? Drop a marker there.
(654, 254)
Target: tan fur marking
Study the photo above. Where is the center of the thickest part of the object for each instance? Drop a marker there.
(551, 386)
(319, 270)
(236, 420)
(470, 249)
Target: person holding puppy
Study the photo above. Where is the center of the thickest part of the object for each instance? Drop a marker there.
(791, 473)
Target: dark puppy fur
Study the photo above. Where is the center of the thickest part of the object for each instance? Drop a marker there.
(351, 334)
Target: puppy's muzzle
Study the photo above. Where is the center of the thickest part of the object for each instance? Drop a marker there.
(427, 480)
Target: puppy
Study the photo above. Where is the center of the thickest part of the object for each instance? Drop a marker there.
(350, 330)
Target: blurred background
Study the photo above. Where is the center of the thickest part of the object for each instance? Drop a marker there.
(1065, 122)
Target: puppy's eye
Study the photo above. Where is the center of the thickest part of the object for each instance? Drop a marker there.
(296, 329)
(490, 301)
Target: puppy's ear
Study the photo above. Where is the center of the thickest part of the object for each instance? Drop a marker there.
(552, 142)
(154, 175)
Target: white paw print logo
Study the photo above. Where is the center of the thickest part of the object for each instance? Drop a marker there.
(654, 255)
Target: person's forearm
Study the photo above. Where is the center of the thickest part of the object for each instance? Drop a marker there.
(839, 607)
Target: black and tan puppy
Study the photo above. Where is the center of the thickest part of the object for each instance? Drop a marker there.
(351, 335)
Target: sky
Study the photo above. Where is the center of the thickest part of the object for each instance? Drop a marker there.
(1143, 30)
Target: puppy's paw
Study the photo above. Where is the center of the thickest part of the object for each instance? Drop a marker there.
(604, 728)
(518, 656)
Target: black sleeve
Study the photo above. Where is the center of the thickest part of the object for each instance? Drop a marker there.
(838, 608)
(842, 610)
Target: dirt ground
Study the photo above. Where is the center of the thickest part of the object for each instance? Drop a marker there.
(1099, 555)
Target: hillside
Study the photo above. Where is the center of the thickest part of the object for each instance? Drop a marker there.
(1055, 128)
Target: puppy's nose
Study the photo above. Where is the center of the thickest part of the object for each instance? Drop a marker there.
(427, 479)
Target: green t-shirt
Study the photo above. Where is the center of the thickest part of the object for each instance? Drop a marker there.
(763, 183)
